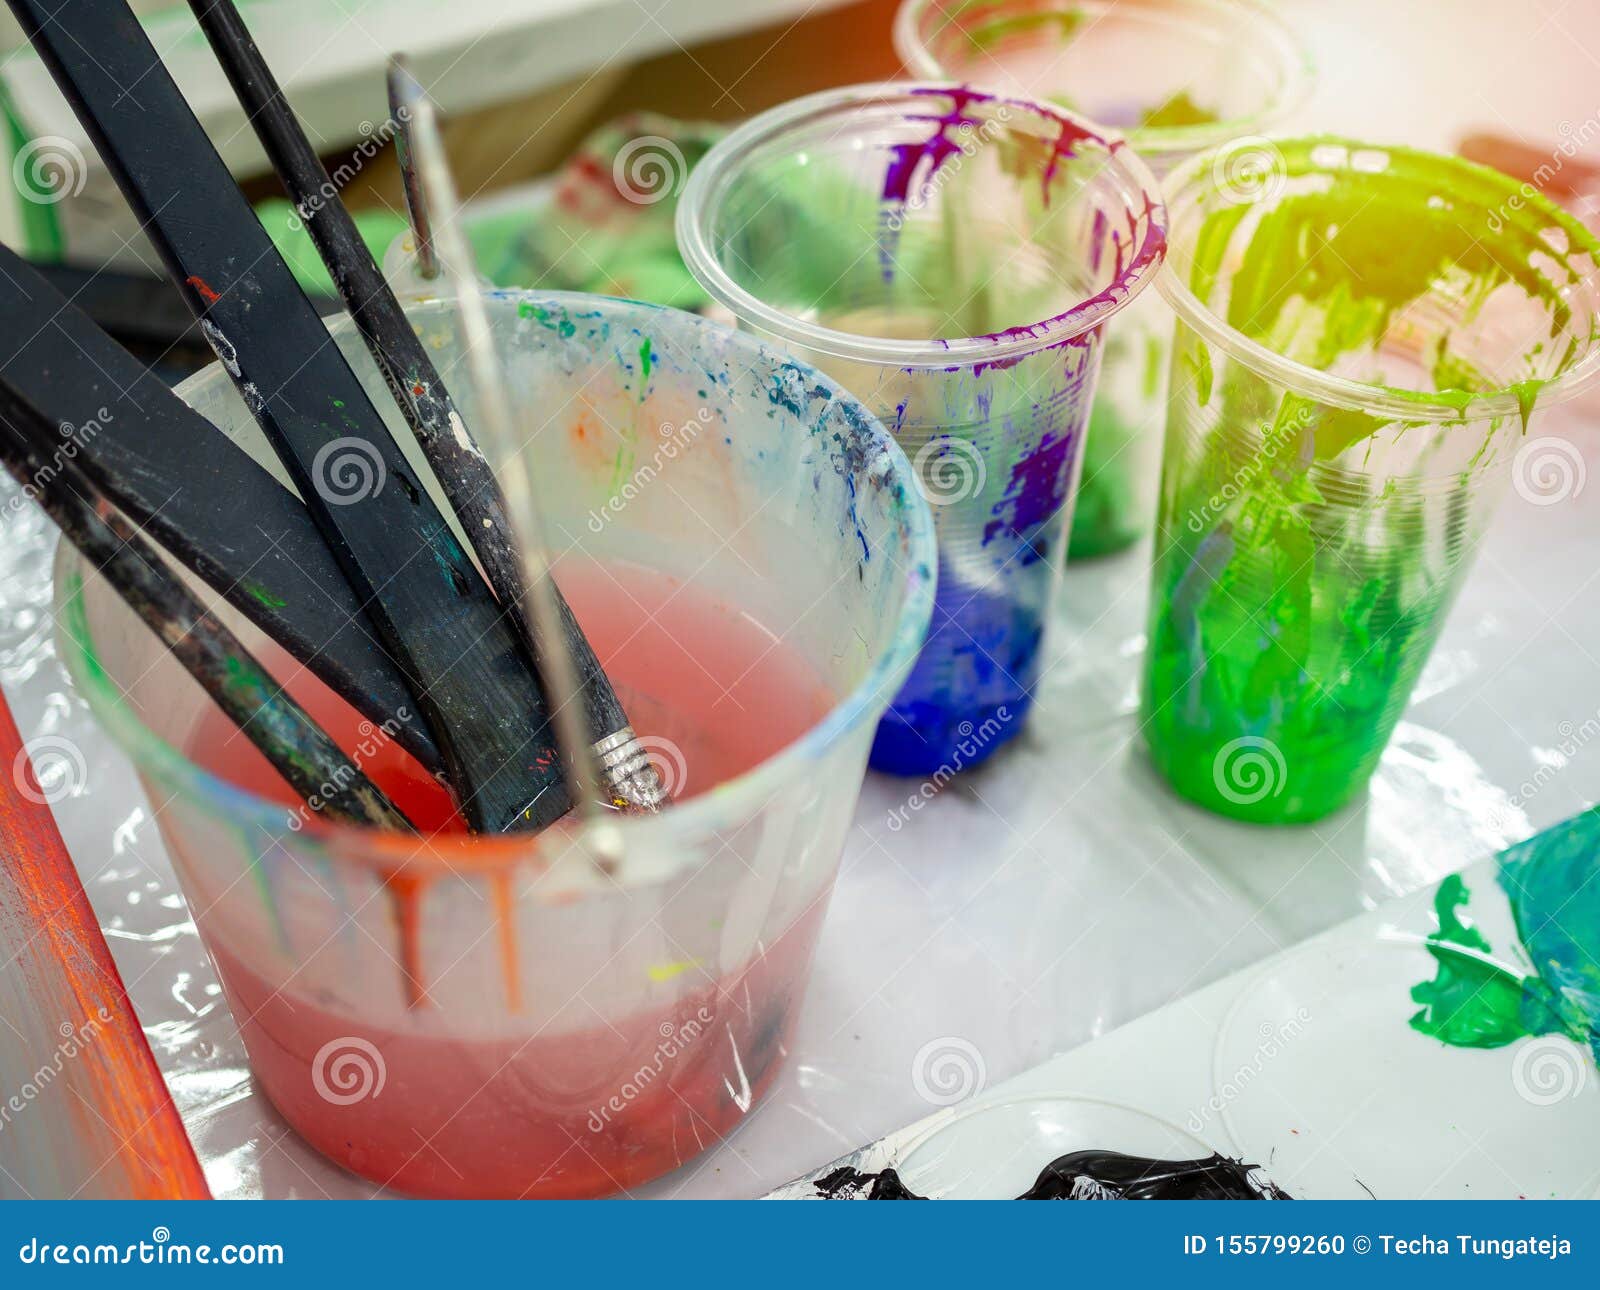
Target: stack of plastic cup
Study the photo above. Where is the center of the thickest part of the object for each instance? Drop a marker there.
(1178, 77)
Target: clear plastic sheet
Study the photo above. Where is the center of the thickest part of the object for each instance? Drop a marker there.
(1043, 901)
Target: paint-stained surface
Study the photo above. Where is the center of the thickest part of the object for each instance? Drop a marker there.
(95, 1118)
(1550, 983)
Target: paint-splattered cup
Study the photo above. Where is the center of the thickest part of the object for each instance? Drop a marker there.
(951, 257)
(1179, 77)
(1366, 337)
(471, 1016)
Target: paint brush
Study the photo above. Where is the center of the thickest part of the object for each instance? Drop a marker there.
(463, 661)
(104, 1127)
(183, 481)
(588, 765)
(463, 473)
(298, 749)
(404, 88)
(142, 311)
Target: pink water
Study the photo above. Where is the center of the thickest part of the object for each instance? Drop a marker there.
(569, 1114)
(710, 689)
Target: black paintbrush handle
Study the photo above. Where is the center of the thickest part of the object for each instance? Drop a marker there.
(460, 467)
(438, 620)
(140, 308)
(198, 494)
(299, 749)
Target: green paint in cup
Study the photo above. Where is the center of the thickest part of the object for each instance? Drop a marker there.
(1365, 336)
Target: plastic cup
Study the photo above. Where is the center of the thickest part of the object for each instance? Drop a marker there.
(1366, 336)
(580, 1030)
(951, 257)
(1178, 77)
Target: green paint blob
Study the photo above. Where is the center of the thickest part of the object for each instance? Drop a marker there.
(646, 359)
(1307, 552)
(985, 35)
(1180, 110)
(259, 593)
(1476, 1000)
(556, 321)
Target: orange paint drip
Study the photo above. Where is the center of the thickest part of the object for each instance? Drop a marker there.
(505, 918)
(128, 1141)
(406, 891)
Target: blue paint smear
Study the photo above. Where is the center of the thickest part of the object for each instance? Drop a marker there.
(1553, 883)
(971, 687)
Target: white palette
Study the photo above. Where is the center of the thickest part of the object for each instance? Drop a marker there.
(1305, 1066)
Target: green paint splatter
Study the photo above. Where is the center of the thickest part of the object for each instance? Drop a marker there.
(1476, 1000)
(1180, 110)
(646, 359)
(562, 325)
(259, 593)
(1063, 23)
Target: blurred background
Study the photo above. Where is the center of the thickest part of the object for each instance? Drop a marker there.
(523, 82)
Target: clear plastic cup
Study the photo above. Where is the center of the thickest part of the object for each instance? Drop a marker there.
(1366, 339)
(951, 258)
(1178, 77)
(459, 1015)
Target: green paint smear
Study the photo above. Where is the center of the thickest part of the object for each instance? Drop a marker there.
(646, 359)
(259, 593)
(1477, 1001)
(1180, 110)
(1474, 1001)
(1294, 603)
(984, 36)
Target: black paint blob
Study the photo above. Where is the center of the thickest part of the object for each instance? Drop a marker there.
(1089, 1175)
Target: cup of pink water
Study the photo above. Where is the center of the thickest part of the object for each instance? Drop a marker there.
(470, 1016)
